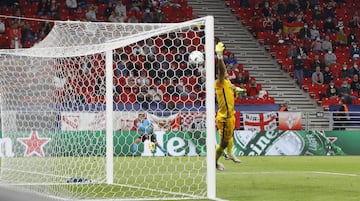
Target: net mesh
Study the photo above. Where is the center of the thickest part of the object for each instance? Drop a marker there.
(53, 102)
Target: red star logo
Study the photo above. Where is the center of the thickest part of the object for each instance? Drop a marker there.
(332, 139)
(34, 144)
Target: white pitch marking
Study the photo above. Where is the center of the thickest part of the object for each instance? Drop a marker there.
(293, 172)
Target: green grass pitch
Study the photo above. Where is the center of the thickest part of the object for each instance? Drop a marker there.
(260, 178)
(291, 178)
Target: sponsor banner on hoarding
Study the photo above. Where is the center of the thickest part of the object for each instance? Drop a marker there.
(177, 143)
(290, 121)
(92, 143)
(277, 142)
(260, 121)
(347, 140)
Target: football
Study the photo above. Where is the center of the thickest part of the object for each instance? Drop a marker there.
(196, 58)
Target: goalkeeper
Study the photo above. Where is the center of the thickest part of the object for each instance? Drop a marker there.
(225, 118)
(146, 129)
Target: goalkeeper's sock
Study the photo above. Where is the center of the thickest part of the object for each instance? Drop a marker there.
(163, 150)
(134, 149)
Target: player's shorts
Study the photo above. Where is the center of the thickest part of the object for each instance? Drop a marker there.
(145, 137)
(226, 130)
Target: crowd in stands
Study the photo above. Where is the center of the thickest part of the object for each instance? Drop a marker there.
(149, 72)
(316, 41)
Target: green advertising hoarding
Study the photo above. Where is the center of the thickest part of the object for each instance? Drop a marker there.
(92, 143)
(179, 143)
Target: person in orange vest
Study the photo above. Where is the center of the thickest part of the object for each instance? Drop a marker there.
(284, 108)
(341, 116)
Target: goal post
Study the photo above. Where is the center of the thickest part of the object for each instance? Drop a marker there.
(70, 107)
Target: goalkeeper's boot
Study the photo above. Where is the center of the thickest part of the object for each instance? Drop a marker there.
(226, 156)
(220, 167)
(233, 158)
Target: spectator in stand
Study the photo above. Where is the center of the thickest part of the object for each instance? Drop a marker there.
(344, 72)
(108, 10)
(149, 47)
(155, 94)
(329, 26)
(329, 10)
(132, 19)
(291, 17)
(304, 4)
(355, 85)
(354, 52)
(302, 51)
(43, 7)
(116, 18)
(292, 52)
(14, 34)
(340, 25)
(298, 64)
(291, 7)
(344, 90)
(143, 79)
(352, 38)
(280, 8)
(314, 3)
(91, 14)
(252, 90)
(304, 32)
(327, 44)
(54, 10)
(330, 58)
(232, 61)
(354, 69)
(244, 4)
(120, 8)
(277, 24)
(239, 79)
(316, 46)
(2, 27)
(231, 74)
(355, 20)
(71, 5)
(341, 38)
(184, 91)
(159, 16)
(328, 75)
(28, 35)
(314, 33)
(317, 62)
(317, 77)
(143, 97)
(300, 17)
(332, 90)
(82, 4)
(267, 24)
(267, 10)
(136, 5)
(147, 16)
(317, 13)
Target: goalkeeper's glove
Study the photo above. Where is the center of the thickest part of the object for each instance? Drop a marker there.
(219, 49)
(238, 90)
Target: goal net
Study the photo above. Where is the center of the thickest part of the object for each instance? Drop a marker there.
(70, 107)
